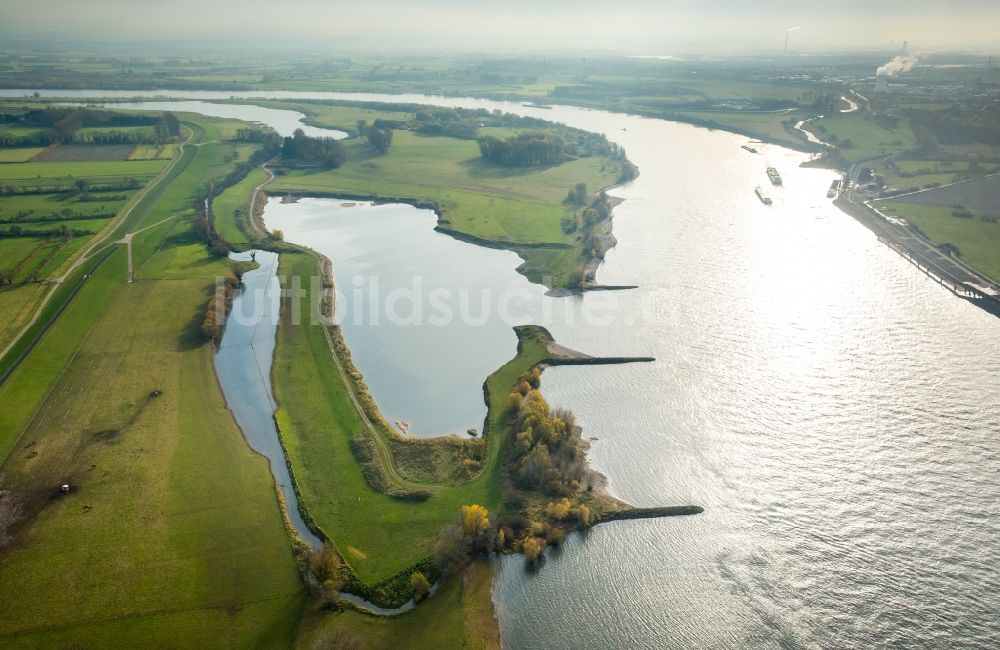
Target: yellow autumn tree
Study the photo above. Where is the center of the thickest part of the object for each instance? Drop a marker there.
(421, 585)
(533, 548)
(558, 510)
(475, 520)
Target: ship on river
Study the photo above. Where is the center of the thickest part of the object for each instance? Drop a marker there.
(773, 174)
(764, 198)
(748, 148)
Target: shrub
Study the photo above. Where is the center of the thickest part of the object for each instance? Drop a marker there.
(514, 402)
(475, 520)
(558, 510)
(421, 585)
(533, 548)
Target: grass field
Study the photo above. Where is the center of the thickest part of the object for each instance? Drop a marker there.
(317, 421)
(765, 126)
(17, 304)
(459, 615)
(172, 535)
(63, 173)
(344, 118)
(55, 203)
(858, 137)
(978, 240)
(477, 198)
(150, 494)
(510, 206)
(13, 130)
(235, 198)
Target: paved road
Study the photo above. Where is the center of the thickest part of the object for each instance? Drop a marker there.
(946, 268)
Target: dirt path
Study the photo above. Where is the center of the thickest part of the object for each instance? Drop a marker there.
(381, 444)
(258, 226)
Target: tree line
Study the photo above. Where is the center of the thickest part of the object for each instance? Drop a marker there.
(325, 152)
(62, 126)
(15, 231)
(524, 150)
(218, 306)
(81, 188)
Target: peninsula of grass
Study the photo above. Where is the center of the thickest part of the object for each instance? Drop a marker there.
(434, 161)
(379, 536)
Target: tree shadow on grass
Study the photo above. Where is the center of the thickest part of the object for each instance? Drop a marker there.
(190, 336)
(480, 168)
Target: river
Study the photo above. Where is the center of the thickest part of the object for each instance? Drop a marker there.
(834, 410)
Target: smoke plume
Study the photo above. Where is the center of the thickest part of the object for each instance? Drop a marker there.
(902, 63)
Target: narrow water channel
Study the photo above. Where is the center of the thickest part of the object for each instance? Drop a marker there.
(243, 366)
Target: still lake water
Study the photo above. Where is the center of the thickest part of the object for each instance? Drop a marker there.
(835, 412)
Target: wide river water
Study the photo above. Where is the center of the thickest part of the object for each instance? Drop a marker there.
(835, 412)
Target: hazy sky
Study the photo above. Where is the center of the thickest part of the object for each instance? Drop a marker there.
(648, 26)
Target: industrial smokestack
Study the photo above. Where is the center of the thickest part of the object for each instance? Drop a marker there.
(905, 43)
(881, 83)
(787, 33)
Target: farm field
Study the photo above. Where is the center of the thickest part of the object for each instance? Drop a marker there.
(151, 152)
(63, 173)
(17, 304)
(40, 206)
(85, 153)
(19, 154)
(149, 495)
(982, 194)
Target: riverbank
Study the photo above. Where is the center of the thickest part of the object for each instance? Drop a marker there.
(961, 280)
